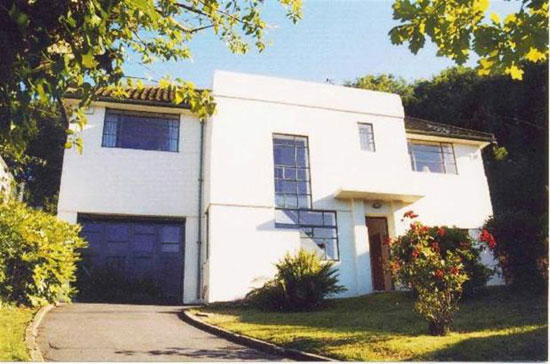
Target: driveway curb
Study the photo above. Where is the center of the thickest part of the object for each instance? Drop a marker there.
(32, 331)
(251, 342)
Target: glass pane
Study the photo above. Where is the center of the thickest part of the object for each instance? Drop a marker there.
(170, 248)
(170, 234)
(290, 174)
(278, 172)
(148, 132)
(302, 175)
(301, 157)
(291, 201)
(304, 201)
(329, 219)
(301, 142)
(289, 187)
(284, 156)
(278, 186)
(331, 249)
(324, 232)
(311, 218)
(303, 188)
(434, 167)
(279, 200)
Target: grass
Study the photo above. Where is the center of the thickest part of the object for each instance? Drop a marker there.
(13, 322)
(498, 325)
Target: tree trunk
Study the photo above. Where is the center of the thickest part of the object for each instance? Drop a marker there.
(439, 328)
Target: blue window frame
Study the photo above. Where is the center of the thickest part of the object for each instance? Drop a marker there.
(293, 196)
(138, 130)
(292, 178)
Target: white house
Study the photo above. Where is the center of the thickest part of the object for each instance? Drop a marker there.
(282, 164)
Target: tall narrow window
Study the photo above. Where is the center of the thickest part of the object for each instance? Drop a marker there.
(366, 137)
(137, 130)
(432, 157)
(291, 157)
(317, 228)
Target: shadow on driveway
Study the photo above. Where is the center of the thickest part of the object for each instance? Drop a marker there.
(117, 332)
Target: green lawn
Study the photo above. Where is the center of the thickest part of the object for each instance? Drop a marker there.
(499, 325)
(13, 322)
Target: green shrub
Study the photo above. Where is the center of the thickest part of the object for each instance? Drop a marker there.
(522, 249)
(38, 255)
(436, 263)
(302, 283)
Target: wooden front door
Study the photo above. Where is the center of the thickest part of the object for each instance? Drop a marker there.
(379, 252)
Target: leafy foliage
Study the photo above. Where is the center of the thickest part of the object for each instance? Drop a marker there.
(385, 83)
(302, 283)
(458, 27)
(48, 47)
(523, 248)
(435, 262)
(38, 256)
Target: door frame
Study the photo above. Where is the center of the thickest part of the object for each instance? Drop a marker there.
(384, 274)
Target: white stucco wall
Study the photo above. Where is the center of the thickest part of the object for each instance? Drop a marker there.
(244, 242)
(115, 181)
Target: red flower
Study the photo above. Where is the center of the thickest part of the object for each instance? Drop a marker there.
(435, 247)
(486, 237)
(387, 241)
(410, 214)
(394, 266)
(424, 229)
(415, 254)
(441, 231)
(439, 273)
(454, 270)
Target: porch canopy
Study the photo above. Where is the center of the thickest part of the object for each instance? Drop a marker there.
(379, 194)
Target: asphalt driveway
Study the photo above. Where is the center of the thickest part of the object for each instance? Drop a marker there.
(111, 332)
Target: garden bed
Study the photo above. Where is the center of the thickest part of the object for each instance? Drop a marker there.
(13, 322)
(498, 325)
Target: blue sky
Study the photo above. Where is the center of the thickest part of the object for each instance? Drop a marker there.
(336, 39)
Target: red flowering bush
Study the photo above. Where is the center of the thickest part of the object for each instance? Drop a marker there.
(437, 262)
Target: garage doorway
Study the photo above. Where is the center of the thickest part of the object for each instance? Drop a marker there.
(132, 259)
(379, 252)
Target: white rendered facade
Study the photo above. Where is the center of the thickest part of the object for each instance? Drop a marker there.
(240, 242)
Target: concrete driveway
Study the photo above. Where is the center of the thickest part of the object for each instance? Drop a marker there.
(111, 332)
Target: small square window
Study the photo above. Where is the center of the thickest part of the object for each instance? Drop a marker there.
(366, 137)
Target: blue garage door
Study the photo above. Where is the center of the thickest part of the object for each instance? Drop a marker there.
(144, 254)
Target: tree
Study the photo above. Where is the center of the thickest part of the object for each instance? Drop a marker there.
(50, 46)
(385, 83)
(458, 27)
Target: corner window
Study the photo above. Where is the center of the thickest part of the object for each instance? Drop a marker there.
(138, 130)
(317, 228)
(366, 137)
(432, 157)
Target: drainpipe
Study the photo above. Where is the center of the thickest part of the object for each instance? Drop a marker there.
(199, 224)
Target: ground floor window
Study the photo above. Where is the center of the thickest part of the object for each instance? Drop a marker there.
(317, 226)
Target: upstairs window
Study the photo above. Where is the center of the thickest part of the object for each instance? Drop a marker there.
(138, 130)
(366, 137)
(292, 179)
(432, 157)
